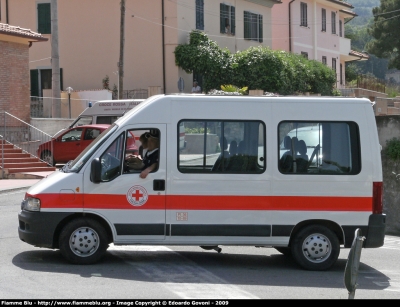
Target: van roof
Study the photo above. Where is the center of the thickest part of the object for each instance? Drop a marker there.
(330, 99)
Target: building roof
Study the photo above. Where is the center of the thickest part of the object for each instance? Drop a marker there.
(351, 13)
(359, 55)
(31, 36)
(341, 2)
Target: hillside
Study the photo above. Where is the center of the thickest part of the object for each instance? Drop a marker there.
(363, 8)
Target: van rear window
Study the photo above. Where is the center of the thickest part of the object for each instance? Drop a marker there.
(319, 148)
(221, 146)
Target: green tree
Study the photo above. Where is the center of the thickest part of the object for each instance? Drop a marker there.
(256, 68)
(385, 30)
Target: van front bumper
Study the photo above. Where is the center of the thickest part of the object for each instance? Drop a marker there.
(39, 228)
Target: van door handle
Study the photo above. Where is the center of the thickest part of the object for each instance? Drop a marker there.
(159, 185)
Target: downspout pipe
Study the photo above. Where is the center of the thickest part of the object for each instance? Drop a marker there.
(163, 45)
(290, 26)
(7, 12)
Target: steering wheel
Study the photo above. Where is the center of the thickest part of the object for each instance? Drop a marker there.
(313, 155)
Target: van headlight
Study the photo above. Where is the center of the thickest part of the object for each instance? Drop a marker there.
(30, 204)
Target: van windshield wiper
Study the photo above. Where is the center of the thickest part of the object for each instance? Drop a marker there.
(65, 168)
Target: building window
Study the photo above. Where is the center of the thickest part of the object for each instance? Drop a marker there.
(304, 54)
(319, 148)
(200, 14)
(44, 18)
(303, 14)
(42, 80)
(324, 20)
(341, 73)
(221, 146)
(333, 21)
(227, 19)
(253, 26)
(324, 60)
(334, 66)
(340, 28)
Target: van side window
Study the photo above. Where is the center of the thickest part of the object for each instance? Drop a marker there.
(217, 147)
(319, 148)
(142, 150)
(106, 119)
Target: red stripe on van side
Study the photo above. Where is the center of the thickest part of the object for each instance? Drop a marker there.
(60, 200)
(298, 203)
(96, 201)
(197, 202)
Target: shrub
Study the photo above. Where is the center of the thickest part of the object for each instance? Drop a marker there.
(393, 148)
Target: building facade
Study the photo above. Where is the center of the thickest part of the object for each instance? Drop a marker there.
(315, 29)
(89, 38)
(15, 43)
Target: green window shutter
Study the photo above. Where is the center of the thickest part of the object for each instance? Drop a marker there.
(246, 22)
(233, 24)
(34, 82)
(44, 18)
(222, 18)
(200, 14)
(260, 28)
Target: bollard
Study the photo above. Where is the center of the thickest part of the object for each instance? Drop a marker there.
(353, 262)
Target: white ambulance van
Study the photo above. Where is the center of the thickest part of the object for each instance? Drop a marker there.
(105, 111)
(298, 174)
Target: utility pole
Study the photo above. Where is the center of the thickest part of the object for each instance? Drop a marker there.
(121, 52)
(55, 62)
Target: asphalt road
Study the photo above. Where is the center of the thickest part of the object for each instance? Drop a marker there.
(182, 272)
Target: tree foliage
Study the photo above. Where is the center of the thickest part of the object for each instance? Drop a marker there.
(385, 30)
(255, 68)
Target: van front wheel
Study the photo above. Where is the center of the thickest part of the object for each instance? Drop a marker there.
(83, 241)
(315, 248)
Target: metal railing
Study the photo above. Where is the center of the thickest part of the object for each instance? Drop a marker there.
(135, 94)
(22, 135)
(368, 82)
(42, 107)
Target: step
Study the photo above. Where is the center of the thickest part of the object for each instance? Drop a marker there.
(10, 150)
(6, 146)
(19, 160)
(30, 169)
(15, 155)
(25, 164)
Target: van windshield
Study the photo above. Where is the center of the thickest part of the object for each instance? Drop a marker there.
(87, 153)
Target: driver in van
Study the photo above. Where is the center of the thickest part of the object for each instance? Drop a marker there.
(149, 161)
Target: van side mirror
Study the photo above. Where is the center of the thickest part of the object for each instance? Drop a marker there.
(95, 171)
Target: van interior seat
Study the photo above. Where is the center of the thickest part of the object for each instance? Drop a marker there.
(286, 161)
(302, 157)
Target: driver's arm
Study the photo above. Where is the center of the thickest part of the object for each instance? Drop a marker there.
(148, 170)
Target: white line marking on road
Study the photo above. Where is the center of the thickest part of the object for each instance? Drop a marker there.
(188, 280)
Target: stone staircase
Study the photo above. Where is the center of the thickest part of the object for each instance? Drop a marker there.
(20, 165)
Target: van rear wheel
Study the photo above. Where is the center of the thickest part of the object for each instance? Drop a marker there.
(83, 241)
(315, 248)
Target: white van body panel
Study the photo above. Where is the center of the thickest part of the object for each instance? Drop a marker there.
(204, 208)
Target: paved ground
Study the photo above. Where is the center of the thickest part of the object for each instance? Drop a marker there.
(14, 184)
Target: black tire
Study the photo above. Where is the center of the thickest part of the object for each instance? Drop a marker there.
(48, 157)
(284, 250)
(83, 241)
(315, 248)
